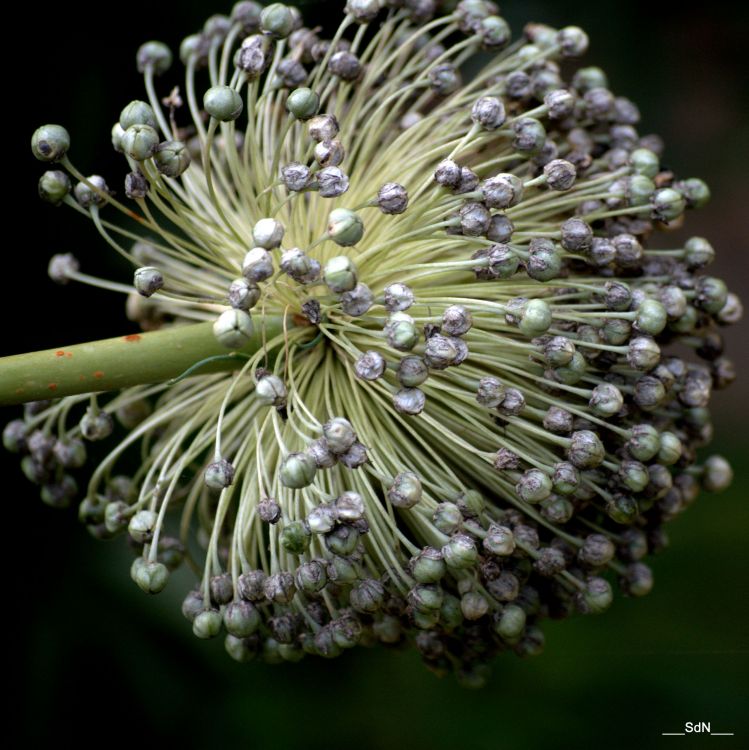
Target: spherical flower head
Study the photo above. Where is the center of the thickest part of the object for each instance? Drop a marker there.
(437, 431)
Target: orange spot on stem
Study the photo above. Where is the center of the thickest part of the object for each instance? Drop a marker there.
(132, 337)
(52, 386)
(60, 354)
(98, 374)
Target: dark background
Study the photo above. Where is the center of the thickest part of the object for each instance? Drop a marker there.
(95, 659)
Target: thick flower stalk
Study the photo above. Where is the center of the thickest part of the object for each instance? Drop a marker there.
(419, 380)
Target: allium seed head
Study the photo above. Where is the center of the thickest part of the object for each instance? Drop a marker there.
(471, 390)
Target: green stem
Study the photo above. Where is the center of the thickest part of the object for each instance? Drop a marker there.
(112, 364)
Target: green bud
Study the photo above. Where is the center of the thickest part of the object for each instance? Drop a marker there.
(622, 509)
(606, 400)
(585, 450)
(447, 518)
(698, 253)
(147, 281)
(534, 486)
(303, 103)
(645, 162)
(207, 624)
(141, 526)
(345, 228)
(295, 538)
(137, 113)
(695, 191)
(670, 450)
(238, 649)
(172, 158)
(644, 442)
(151, 577)
(50, 142)
(597, 596)
(154, 56)
(233, 328)
(54, 186)
(342, 540)
(717, 475)
(511, 623)
(223, 103)
(634, 475)
(473, 605)
(426, 598)
(535, 318)
(406, 491)
(651, 317)
(277, 20)
(367, 596)
(402, 333)
(428, 566)
(268, 233)
(241, 619)
(297, 470)
(667, 204)
(460, 552)
(340, 274)
(499, 541)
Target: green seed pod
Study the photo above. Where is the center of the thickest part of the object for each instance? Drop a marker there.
(50, 142)
(155, 56)
(207, 624)
(406, 491)
(151, 577)
(597, 596)
(303, 104)
(172, 158)
(219, 474)
(342, 540)
(644, 442)
(340, 274)
(147, 281)
(585, 450)
(137, 113)
(717, 475)
(233, 329)
(141, 526)
(223, 103)
(534, 486)
(651, 317)
(277, 20)
(345, 228)
(511, 623)
(339, 435)
(667, 204)
(297, 470)
(474, 605)
(295, 538)
(54, 187)
(460, 552)
(367, 596)
(535, 318)
(426, 598)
